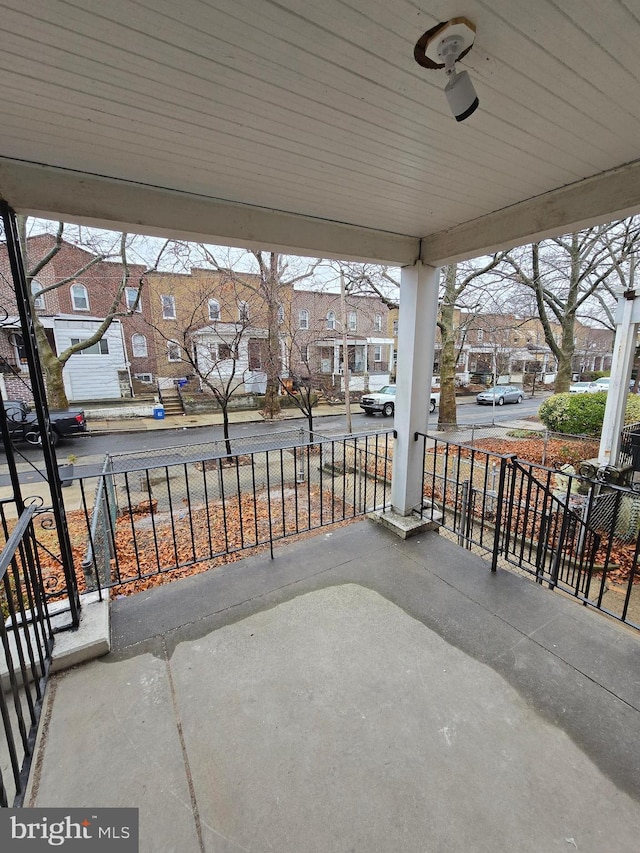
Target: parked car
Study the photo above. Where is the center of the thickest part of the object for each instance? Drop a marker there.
(601, 384)
(500, 394)
(23, 423)
(384, 401)
(579, 388)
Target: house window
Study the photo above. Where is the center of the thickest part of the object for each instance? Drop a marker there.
(353, 321)
(134, 299)
(168, 307)
(395, 327)
(480, 335)
(377, 353)
(173, 350)
(18, 342)
(214, 309)
(139, 346)
(243, 312)
(377, 323)
(280, 314)
(304, 354)
(79, 297)
(225, 352)
(38, 301)
(303, 319)
(143, 377)
(255, 353)
(331, 320)
(99, 348)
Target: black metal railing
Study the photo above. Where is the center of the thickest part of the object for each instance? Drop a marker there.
(575, 533)
(155, 518)
(627, 443)
(27, 643)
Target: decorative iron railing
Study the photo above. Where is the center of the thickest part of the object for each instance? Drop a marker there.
(27, 643)
(575, 533)
(151, 517)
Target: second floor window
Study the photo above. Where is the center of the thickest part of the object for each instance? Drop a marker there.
(79, 297)
(243, 312)
(214, 309)
(480, 335)
(281, 314)
(99, 348)
(377, 323)
(353, 321)
(168, 307)
(331, 320)
(134, 301)
(173, 351)
(38, 301)
(304, 354)
(139, 346)
(303, 319)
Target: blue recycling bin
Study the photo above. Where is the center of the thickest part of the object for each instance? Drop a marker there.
(158, 412)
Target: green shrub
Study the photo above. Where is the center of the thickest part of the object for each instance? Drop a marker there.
(582, 414)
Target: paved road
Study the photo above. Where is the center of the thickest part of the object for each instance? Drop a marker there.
(90, 450)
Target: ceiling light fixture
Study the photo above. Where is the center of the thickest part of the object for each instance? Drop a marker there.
(441, 47)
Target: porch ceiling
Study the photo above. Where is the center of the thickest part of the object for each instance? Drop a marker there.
(309, 127)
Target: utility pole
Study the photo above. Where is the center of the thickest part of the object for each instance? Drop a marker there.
(345, 353)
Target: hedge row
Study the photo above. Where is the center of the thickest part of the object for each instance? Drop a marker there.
(582, 414)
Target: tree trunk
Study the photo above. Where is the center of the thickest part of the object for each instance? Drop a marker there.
(447, 413)
(225, 426)
(52, 368)
(567, 350)
(273, 363)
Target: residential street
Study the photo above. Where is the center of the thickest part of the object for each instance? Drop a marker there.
(90, 450)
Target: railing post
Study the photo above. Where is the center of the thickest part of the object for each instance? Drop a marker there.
(504, 462)
(462, 526)
(40, 404)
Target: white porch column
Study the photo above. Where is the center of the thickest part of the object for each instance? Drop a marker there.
(414, 368)
(336, 357)
(627, 320)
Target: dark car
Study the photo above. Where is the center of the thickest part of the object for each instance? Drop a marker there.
(500, 394)
(23, 423)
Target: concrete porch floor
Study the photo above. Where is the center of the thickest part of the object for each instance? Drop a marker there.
(358, 693)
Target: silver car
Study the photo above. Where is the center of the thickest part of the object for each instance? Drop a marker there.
(500, 394)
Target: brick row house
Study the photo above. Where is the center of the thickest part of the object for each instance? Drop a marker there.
(170, 327)
(316, 339)
(515, 348)
(206, 323)
(69, 314)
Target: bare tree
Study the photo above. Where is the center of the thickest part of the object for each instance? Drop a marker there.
(216, 352)
(52, 362)
(458, 281)
(574, 275)
(269, 292)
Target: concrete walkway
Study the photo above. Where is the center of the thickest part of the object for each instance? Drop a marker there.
(357, 693)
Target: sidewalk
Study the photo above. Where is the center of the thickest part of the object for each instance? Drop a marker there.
(97, 426)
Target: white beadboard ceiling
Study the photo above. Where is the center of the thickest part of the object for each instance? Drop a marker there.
(308, 125)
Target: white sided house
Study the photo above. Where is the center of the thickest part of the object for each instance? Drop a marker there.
(232, 358)
(100, 372)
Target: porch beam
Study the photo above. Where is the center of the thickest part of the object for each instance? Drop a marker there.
(603, 198)
(120, 205)
(414, 368)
